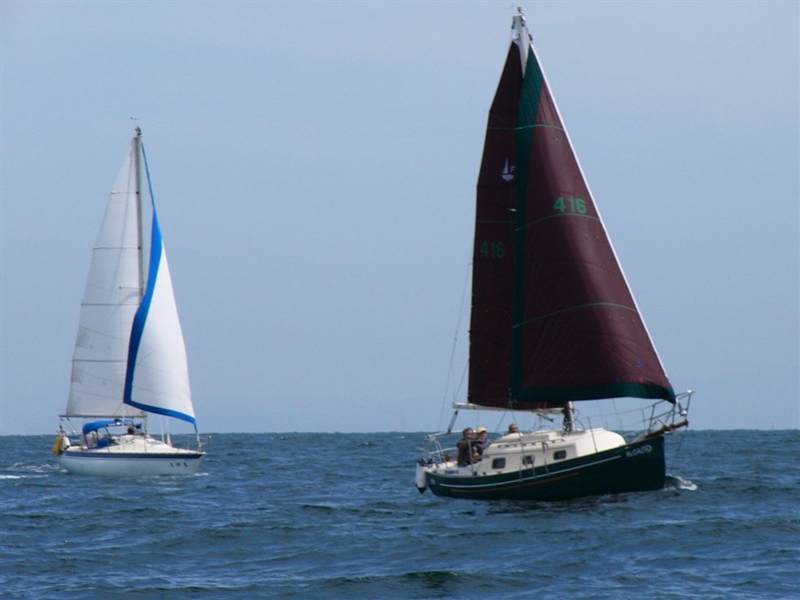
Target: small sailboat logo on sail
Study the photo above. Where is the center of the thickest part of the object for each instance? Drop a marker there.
(508, 172)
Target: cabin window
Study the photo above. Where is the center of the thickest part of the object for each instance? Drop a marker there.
(499, 463)
(559, 455)
(528, 460)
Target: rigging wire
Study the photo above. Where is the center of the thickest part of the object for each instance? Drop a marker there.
(450, 377)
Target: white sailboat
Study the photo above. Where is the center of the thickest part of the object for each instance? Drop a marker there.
(130, 359)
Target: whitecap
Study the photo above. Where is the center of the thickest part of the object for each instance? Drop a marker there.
(678, 483)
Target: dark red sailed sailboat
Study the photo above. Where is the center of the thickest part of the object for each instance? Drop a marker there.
(553, 319)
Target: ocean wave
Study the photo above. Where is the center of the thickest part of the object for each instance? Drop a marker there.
(673, 482)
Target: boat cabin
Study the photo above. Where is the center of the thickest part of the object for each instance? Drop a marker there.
(520, 451)
(98, 435)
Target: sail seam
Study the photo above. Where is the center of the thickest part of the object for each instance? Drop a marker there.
(542, 125)
(577, 307)
(547, 218)
(98, 360)
(524, 127)
(108, 303)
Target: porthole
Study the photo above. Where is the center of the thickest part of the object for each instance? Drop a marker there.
(559, 455)
(499, 463)
(528, 460)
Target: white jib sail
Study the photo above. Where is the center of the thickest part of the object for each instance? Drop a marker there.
(159, 373)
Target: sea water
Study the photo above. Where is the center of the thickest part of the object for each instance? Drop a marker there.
(337, 516)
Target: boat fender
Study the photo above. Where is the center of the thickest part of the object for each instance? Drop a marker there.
(61, 444)
(419, 479)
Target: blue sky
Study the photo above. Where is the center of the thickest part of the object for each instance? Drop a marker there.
(314, 166)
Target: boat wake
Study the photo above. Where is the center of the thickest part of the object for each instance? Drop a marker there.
(678, 483)
(24, 470)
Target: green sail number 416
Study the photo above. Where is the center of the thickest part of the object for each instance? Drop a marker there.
(571, 204)
(493, 249)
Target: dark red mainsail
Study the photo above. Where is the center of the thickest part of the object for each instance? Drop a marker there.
(553, 319)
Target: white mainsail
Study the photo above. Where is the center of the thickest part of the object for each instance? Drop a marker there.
(111, 297)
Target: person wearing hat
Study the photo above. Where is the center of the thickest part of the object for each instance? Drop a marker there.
(482, 441)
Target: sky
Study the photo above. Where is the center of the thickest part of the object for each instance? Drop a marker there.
(314, 166)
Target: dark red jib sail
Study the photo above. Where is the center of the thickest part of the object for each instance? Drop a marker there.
(553, 319)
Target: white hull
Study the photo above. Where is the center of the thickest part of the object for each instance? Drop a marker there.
(132, 456)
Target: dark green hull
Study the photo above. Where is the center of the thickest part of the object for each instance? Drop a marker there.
(635, 467)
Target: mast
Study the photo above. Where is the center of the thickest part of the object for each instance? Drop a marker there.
(525, 122)
(569, 417)
(522, 37)
(139, 208)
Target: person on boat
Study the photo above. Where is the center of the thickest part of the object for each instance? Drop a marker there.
(91, 439)
(513, 428)
(482, 442)
(467, 451)
(135, 429)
